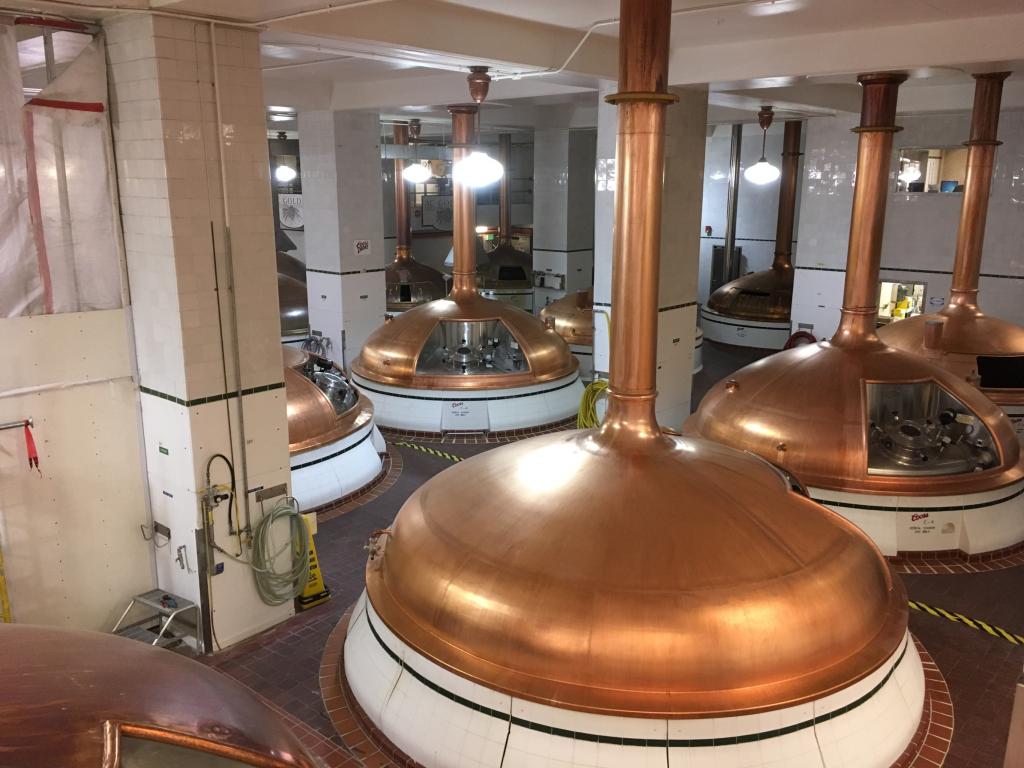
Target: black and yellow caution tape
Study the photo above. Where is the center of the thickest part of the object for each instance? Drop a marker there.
(959, 618)
(432, 451)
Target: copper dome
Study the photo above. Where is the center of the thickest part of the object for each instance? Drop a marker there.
(804, 409)
(965, 334)
(391, 353)
(313, 420)
(572, 317)
(410, 283)
(504, 267)
(70, 695)
(764, 296)
(670, 578)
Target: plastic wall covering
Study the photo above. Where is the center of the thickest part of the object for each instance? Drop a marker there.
(59, 244)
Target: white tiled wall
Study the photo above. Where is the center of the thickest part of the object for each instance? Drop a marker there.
(920, 229)
(341, 178)
(183, 277)
(757, 207)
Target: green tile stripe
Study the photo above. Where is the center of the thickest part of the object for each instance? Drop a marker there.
(626, 740)
(211, 398)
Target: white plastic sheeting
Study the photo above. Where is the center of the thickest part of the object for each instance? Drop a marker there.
(59, 243)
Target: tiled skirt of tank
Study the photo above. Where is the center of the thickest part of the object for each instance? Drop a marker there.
(441, 720)
(491, 410)
(332, 471)
(741, 332)
(972, 523)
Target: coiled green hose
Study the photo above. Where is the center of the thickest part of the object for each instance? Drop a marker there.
(276, 587)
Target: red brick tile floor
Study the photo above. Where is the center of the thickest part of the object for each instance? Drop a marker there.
(283, 664)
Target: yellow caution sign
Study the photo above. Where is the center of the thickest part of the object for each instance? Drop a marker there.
(316, 591)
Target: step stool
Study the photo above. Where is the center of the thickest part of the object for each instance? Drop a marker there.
(165, 607)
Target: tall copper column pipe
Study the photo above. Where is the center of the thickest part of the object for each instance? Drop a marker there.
(981, 152)
(787, 196)
(640, 152)
(403, 227)
(863, 261)
(505, 197)
(463, 205)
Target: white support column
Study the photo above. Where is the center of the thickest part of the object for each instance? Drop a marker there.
(199, 270)
(563, 205)
(604, 218)
(680, 246)
(344, 225)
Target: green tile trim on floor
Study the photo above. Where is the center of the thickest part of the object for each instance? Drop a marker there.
(211, 398)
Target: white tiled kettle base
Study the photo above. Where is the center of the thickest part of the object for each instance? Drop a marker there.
(928, 524)
(742, 332)
(503, 409)
(341, 468)
(439, 732)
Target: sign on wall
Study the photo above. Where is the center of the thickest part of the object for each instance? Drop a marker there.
(289, 212)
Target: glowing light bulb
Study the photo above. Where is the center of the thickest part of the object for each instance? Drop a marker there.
(761, 172)
(416, 173)
(911, 173)
(477, 170)
(284, 173)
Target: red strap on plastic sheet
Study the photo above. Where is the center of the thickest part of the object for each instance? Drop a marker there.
(30, 448)
(35, 212)
(40, 21)
(78, 106)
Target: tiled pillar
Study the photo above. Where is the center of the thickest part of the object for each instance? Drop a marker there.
(193, 281)
(563, 204)
(344, 225)
(680, 244)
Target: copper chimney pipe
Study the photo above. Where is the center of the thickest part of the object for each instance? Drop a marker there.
(981, 151)
(640, 151)
(463, 205)
(505, 197)
(867, 222)
(787, 196)
(403, 227)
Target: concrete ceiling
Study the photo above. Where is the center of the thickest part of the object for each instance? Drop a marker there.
(406, 56)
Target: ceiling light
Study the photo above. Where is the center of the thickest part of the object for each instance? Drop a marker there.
(416, 173)
(911, 172)
(763, 172)
(280, 109)
(284, 174)
(477, 170)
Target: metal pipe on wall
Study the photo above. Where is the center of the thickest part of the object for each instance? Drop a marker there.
(403, 226)
(981, 152)
(505, 196)
(788, 190)
(874, 153)
(731, 266)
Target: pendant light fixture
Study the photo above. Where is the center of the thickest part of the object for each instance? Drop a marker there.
(416, 172)
(478, 169)
(763, 172)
